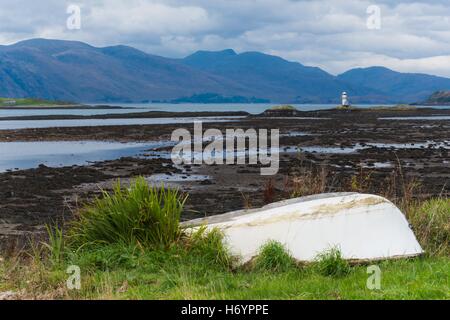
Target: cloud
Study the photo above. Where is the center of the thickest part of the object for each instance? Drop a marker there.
(333, 34)
(135, 16)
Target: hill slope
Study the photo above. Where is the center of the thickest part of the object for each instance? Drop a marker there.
(75, 71)
(399, 87)
(272, 76)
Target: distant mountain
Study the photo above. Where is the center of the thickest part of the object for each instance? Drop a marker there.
(75, 71)
(398, 87)
(272, 77)
(438, 98)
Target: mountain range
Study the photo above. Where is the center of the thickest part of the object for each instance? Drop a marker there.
(76, 71)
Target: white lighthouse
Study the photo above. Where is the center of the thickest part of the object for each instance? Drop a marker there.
(345, 102)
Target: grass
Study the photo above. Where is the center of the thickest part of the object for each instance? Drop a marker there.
(29, 102)
(137, 250)
(269, 192)
(307, 181)
(273, 257)
(55, 245)
(330, 263)
(430, 221)
(139, 214)
(128, 272)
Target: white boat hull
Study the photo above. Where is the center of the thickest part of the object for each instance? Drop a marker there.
(364, 227)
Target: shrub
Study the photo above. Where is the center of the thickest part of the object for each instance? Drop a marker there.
(331, 263)
(139, 214)
(274, 257)
(209, 245)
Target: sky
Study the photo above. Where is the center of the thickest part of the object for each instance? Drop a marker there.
(336, 35)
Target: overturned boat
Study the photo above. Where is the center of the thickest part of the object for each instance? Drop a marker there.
(364, 227)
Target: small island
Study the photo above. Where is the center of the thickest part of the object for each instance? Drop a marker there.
(36, 103)
(31, 102)
(217, 98)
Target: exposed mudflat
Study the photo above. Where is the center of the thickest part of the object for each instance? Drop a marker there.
(345, 144)
(130, 115)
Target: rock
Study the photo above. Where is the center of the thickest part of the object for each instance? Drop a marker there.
(9, 194)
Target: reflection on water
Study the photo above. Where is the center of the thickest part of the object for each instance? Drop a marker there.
(379, 165)
(25, 155)
(296, 134)
(334, 150)
(176, 177)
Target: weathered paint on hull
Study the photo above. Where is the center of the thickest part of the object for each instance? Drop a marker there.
(364, 227)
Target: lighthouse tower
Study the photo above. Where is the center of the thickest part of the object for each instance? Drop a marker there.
(345, 102)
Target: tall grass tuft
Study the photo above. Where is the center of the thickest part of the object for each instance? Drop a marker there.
(140, 214)
(55, 245)
(307, 180)
(209, 244)
(274, 257)
(330, 263)
(269, 192)
(430, 221)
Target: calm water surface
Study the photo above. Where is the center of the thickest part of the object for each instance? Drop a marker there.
(192, 107)
(24, 155)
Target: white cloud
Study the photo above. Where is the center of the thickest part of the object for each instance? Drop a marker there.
(135, 16)
(414, 35)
